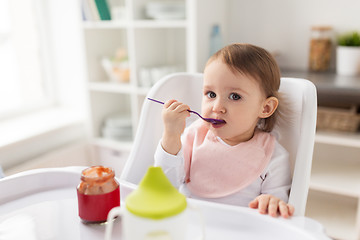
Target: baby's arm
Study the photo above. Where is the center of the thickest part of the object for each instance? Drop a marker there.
(276, 185)
(174, 115)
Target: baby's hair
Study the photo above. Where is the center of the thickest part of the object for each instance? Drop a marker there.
(250, 60)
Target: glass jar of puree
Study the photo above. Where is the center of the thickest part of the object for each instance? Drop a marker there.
(98, 192)
(320, 48)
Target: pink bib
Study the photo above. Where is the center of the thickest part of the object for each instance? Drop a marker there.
(215, 170)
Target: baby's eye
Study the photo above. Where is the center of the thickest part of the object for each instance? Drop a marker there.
(211, 94)
(234, 96)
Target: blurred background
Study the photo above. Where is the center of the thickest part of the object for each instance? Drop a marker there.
(74, 75)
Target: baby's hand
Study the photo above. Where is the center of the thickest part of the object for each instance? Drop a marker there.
(272, 205)
(174, 115)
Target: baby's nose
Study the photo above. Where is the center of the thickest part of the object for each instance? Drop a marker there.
(218, 107)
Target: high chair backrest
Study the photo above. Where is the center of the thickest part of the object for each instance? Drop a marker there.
(296, 131)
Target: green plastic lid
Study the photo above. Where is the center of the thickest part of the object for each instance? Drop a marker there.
(155, 197)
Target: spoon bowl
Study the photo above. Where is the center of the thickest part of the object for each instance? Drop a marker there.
(210, 120)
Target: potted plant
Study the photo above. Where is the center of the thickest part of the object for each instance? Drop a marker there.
(348, 54)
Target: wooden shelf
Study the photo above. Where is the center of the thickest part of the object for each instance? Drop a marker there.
(337, 178)
(105, 24)
(148, 43)
(135, 24)
(334, 196)
(338, 138)
(159, 24)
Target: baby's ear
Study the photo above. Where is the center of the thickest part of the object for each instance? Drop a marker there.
(269, 106)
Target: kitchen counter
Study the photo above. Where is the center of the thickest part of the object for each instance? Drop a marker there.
(332, 89)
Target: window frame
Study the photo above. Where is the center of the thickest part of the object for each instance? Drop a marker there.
(46, 58)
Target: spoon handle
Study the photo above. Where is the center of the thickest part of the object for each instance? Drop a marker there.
(154, 100)
(210, 120)
(191, 111)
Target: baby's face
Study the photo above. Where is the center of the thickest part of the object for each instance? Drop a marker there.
(232, 97)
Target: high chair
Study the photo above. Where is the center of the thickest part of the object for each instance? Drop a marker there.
(296, 133)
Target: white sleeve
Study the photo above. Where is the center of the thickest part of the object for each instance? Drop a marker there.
(277, 179)
(172, 165)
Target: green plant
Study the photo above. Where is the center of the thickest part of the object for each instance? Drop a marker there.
(349, 39)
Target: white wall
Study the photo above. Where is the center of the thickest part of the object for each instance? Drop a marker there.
(209, 12)
(284, 25)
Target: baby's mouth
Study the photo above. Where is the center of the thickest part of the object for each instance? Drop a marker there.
(219, 124)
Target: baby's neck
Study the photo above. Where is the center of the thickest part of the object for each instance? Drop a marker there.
(234, 143)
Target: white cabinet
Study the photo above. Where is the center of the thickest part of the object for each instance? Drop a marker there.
(153, 47)
(334, 196)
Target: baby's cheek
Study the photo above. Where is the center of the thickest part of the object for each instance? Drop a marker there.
(205, 109)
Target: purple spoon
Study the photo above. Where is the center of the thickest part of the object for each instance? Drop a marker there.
(210, 120)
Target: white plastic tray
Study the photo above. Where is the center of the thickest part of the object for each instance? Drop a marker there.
(42, 204)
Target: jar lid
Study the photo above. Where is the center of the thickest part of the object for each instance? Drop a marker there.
(155, 197)
(321, 28)
(97, 174)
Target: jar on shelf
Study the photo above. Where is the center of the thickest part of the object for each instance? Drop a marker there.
(320, 48)
(98, 192)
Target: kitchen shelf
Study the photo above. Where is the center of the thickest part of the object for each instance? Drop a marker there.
(337, 178)
(336, 213)
(149, 44)
(338, 138)
(160, 24)
(332, 89)
(105, 24)
(135, 24)
(334, 196)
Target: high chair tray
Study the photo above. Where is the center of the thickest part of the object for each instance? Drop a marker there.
(233, 223)
(42, 204)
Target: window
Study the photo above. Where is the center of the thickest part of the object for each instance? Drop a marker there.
(24, 71)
